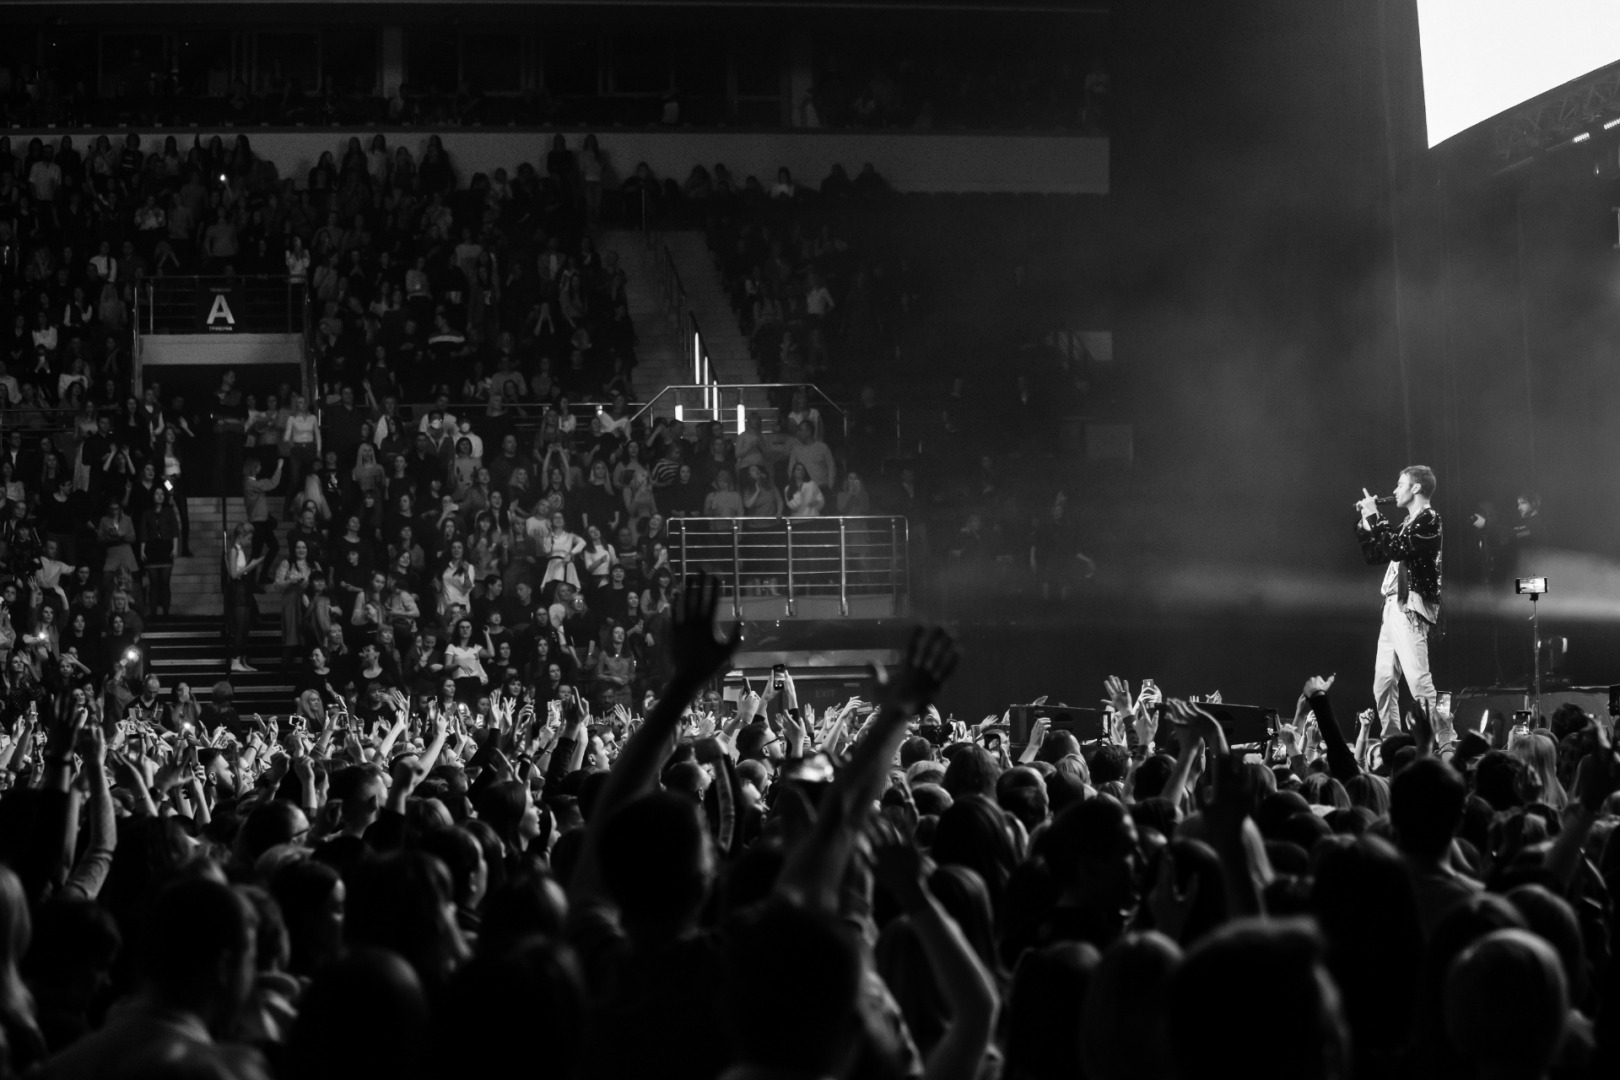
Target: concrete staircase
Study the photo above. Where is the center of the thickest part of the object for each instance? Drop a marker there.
(190, 646)
(196, 583)
(661, 356)
(706, 295)
(191, 649)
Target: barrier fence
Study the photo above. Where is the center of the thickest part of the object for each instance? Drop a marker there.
(805, 567)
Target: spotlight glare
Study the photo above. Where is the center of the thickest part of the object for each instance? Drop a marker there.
(1582, 137)
(1612, 124)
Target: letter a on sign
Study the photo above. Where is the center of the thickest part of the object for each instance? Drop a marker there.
(216, 308)
(220, 312)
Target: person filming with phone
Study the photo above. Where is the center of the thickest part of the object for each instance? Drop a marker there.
(1411, 590)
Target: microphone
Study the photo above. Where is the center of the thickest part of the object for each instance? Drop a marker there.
(1384, 500)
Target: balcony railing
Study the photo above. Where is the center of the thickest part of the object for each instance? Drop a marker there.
(256, 304)
(819, 567)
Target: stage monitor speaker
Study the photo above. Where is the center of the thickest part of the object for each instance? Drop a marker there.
(1085, 724)
(1244, 725)
(1467, 706)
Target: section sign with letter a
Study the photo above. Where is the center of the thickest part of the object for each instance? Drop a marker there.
(217, 307)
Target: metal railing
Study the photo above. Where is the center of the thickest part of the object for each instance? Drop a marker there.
(702, 402)
(814, 565)
(258, 304)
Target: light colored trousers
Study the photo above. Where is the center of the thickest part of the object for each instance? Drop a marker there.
(1403, 649)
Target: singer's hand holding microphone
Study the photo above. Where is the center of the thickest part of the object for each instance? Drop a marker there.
(1368, 507)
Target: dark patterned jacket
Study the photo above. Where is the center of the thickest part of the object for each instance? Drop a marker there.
(1415, 544)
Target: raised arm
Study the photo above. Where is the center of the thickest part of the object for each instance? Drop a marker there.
(699, 651)
(815, 869)
(1340, 758)
(970, 995)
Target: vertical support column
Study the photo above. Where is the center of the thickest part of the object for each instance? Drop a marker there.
(736, 568)
(684, 563)
(843, 566)
(894, 569)
(788, 522)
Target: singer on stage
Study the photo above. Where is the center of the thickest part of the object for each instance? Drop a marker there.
(1411, 593)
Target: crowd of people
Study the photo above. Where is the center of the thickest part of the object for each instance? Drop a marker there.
(690, 887)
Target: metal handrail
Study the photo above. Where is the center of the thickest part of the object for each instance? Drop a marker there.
(822, 557)
(739, 387)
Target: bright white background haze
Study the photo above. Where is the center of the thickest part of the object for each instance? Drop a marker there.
(1481, 57)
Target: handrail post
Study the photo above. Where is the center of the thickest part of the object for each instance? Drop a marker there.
(894, 575)
(843, 566)
(788, 522)
(736, 568)
(684, 564)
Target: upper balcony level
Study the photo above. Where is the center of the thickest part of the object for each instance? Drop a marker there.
(1036, 68)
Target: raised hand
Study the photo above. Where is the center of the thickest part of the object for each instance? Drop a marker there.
(1316, 684)
(700, 650)
(1118, 693)
(930, 659)
(1145, 722)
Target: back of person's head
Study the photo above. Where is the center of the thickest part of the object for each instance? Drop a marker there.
(1110, 762)
(686, 778)
(524, 995)
(1506, 1004)
(1059, 745)
(503, 805)
(1157, 813)
(1366, 903)
(925, 772)
(1064, 790)
(1121, 1025)
(1320, 789)
(1500, 779)
(1304, 828)
(1091, 844)
(1152, 775)
(401, 900)
(1426, 807)
(915, 749)
(1275, 809)
(197, 947)
(311, 897)
(368, 990)
(1464, 922)
(973, 833)
(272, 823)
(657, 862)
(972, 771)
(1550, 917)
(1047, 996)
(531, 904)
(1257, 968)
(462, 855)
(1368, 791)
(1567, 719)
(931, 799)
(1022, 792)
(814, 964)
(966, 899)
